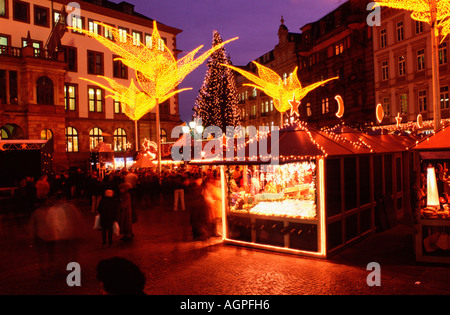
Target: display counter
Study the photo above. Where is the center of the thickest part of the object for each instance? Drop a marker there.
(432, 159)
(274, 206)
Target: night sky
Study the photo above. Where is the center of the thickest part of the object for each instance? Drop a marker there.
(255, 22)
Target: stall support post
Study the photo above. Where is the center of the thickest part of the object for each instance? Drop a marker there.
(224, 201)
(321, 227)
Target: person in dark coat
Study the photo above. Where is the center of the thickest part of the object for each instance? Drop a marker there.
(199, 216)
(108, 209)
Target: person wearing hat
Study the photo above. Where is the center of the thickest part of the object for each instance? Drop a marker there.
(108, 209)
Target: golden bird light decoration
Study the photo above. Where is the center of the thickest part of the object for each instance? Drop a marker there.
(285, 93)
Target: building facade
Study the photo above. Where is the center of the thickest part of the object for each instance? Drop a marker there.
(256, 107)
(339, 44)
(42, 93)
(403, 73)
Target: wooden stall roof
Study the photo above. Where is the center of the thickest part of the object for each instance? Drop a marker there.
(298, 142)
(440, 141)
(375, 143)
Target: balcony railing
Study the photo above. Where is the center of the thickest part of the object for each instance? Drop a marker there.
(11, 51)
(37, 52)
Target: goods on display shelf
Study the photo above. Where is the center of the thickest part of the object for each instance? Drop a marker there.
(286, 191)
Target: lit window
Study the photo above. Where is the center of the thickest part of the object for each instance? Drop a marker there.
(403, 103)
(77, 24)
(117, 107)
(123, 35)
(444, 97)
(94, 27)
(95, 137)
(137, 38)
(3, 6)
(339, 48)
(120, 140)
(325, 106)
(46, 134)
(71, 139)
(107, 33)
(70, 100)
(421, 60)
(95, 99)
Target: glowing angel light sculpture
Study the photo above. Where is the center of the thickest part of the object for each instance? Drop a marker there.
(284, 93)
(158, 72)
(437, 14)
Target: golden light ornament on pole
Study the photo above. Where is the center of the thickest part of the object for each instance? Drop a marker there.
(158, 72)
(284, 92)
(437, 14)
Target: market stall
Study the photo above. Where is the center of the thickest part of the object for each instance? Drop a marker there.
(316, 201)
(432, 160)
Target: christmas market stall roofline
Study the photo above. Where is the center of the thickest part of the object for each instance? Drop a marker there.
(345, 212)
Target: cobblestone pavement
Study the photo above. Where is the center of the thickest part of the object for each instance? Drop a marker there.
(174, 264)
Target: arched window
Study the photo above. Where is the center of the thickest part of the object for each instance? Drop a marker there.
(163, 136)
(44, 91)
(95, 137)
(11, 131)
(4, 133)
(46, 134)
(120, 140)
(71, 139)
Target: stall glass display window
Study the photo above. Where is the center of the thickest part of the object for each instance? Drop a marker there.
(435, 191)
(286, 191)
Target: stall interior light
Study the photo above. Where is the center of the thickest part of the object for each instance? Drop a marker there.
(432, 190)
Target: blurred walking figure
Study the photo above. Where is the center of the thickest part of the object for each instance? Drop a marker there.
(178, 192)
(108, 209)
(54, 227)
(125, 217)
(199, 216)
(213, 196)
(120, 276)
(42, 189)
(97, 192)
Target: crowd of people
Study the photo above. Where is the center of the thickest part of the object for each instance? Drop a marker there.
(118, 195)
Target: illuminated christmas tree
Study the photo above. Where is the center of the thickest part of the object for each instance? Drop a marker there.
(217, 101)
